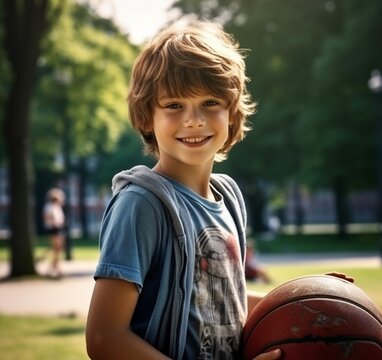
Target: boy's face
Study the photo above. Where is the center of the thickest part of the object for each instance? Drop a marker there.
(190, 131)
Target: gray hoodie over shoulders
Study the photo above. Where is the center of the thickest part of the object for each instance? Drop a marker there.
(173, 304)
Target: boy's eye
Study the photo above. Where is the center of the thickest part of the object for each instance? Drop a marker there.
(211, 103)
(173, 106)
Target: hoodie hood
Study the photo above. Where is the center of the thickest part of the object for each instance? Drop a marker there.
(150, 180)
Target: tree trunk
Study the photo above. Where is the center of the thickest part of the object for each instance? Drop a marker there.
(257, 202)
(342, 209)
(299, 215)
(24, 25)
(82, 198)
(20, 182)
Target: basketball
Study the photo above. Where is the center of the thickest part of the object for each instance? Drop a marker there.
(315, 317)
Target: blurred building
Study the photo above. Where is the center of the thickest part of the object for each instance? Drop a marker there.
(318, 209)
(94, 205)
(319, 212)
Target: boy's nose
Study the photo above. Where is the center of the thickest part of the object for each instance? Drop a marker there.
(194, 118)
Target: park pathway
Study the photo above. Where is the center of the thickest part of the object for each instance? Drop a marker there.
(70, 295)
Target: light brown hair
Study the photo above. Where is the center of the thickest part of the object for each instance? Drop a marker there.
(185, 60)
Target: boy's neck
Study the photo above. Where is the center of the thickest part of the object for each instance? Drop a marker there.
(196, 178)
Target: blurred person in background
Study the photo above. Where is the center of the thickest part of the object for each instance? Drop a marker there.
(253, 270)
(54, 223)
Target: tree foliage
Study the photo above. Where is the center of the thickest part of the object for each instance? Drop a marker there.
(74, 108)
(342, 141)
(309, 63)
(83, 83)
(25, 23)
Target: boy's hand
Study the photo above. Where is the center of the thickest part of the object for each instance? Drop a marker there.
(270, 355)
(341, 276)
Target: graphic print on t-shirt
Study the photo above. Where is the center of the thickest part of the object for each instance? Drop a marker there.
(218, 292)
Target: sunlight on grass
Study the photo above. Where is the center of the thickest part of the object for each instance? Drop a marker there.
(368, 279)
(81, 250)
(42, 338)
(47, 338)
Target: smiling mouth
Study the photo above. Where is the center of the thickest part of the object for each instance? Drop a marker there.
(195, 140)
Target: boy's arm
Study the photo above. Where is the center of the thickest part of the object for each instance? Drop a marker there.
(107, 331)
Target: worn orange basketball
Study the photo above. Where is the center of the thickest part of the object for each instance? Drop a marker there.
(316, 317)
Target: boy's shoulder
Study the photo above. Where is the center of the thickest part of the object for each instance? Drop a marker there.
(140, 175)
(141, 184)
(137, 194)
(134, 204)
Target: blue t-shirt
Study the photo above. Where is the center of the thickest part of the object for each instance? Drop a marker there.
(133, 247)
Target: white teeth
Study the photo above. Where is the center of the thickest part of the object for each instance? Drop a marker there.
(194, 140)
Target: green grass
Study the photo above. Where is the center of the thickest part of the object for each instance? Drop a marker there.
(42, 338)
(368, 279)
(82, 249)
(46, 338)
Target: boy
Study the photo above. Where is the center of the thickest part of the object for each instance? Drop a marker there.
(170, 280)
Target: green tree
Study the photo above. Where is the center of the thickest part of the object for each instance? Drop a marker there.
(338, 124)
(127, 153)
(309, 63)
(283, 37)
(83, 75)
(5, 80)
(81, 94)
(78, 109)
(26, 22)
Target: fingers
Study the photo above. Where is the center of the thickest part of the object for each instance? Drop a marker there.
(341, 276)
(270, 355)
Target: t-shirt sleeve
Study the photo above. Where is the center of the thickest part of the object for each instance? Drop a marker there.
(130, 236)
